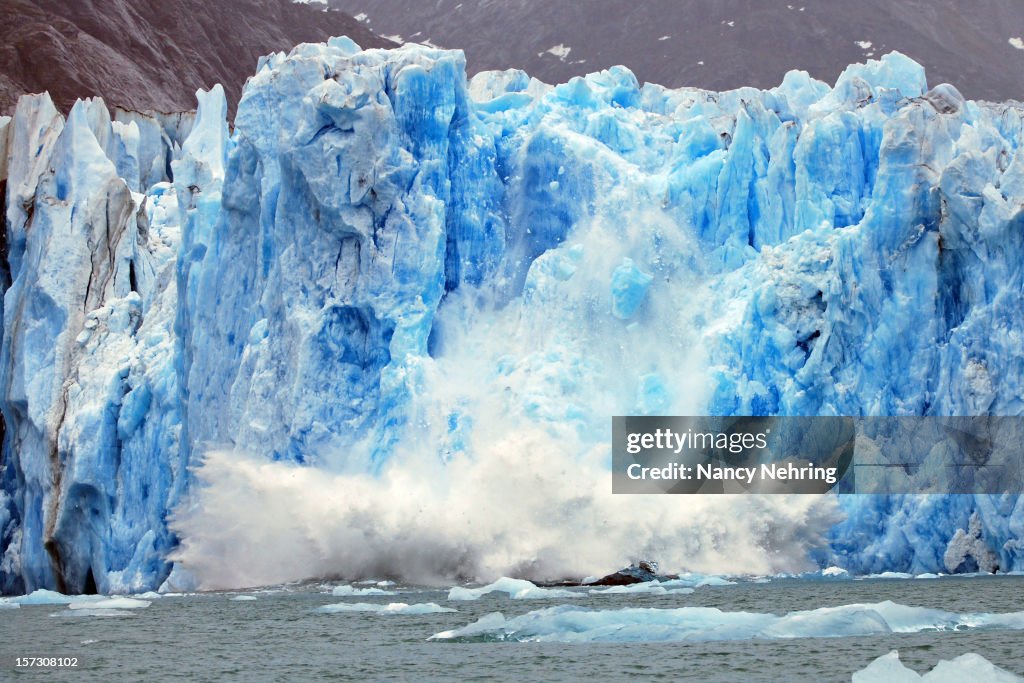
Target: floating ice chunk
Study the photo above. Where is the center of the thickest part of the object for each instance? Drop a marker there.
(645, 588)
(43, 596)
(714, 581)
(560, 51)
(374, 582)
(1017, 42)
(835, 572)
(968, 667)
(889, 669)
(149, 595)
(886, 668)
(4, 604)
(570, 624)
(352, 591)
(691, 580)
(516, 589)
(390, 608)
(888, 576)
(243, 598)
(110, 603)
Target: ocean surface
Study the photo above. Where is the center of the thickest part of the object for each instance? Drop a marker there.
(279, 636)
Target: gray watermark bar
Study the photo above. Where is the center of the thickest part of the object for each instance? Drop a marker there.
(869, 455)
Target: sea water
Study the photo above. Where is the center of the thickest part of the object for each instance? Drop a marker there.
(283, 634)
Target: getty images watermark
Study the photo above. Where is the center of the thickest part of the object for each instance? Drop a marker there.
(817, 454)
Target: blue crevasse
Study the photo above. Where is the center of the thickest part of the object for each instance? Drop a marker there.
(289, 287)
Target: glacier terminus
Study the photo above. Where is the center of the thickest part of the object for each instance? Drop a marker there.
(377, 325)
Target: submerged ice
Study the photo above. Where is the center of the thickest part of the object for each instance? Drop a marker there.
(378, 327)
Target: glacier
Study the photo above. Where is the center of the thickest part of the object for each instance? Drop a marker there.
(363, 329)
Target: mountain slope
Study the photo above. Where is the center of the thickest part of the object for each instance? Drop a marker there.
(151, 54)
(720, 44)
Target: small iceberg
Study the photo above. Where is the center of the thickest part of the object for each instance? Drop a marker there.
(48, 597)
(646, 588)
(516, 589)
(888, 576)
(392, 608)
(572, 624)
(243, 598)
(110, 603)
(969, 667)
(689, 580)
(354, 591)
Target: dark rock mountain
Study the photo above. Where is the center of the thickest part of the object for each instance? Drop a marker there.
(720, 44)
(151, 54)
(154, 54)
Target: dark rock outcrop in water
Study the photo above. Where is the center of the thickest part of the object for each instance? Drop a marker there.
(152, 54)
(641, 572)
(721, 44)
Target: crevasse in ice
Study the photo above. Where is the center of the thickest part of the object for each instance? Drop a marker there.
(594, 248)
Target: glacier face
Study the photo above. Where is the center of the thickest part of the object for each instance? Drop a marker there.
(384, 268)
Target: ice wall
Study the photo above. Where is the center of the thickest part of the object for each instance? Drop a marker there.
(90, 403)
(385, 269)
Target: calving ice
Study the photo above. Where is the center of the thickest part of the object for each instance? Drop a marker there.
(399, 294)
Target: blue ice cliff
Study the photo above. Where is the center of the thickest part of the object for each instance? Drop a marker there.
(383, 263)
